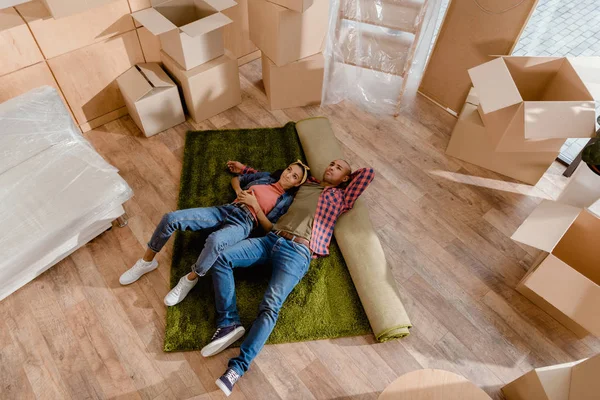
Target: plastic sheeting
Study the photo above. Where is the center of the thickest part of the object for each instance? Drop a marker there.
(53, 184)
(376, 51)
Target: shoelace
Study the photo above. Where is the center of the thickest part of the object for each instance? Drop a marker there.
(216, 334)
(232, 376)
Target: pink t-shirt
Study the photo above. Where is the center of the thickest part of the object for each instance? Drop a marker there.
(267, 196)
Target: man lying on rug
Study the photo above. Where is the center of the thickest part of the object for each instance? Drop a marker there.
(262, 198)
(304, 232)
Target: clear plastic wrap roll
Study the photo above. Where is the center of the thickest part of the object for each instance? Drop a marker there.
(376, 52)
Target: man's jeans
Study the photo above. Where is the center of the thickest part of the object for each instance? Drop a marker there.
(289, 262)
(234, 222)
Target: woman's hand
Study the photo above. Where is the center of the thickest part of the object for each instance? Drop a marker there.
(247, 197)
(235, 166)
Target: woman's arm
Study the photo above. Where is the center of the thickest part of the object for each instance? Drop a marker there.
(248, 198)
(235, 184)
(263, 220)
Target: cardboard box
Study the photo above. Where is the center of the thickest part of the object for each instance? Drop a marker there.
(576, 380)
(294, 85)
(236, 36)
(534, 97)
(60, 36)
(150, 45)
(285, 35)
(295, 5)
(470, 32)
(17, 46)
(190, 31)
(11, 3)
(64, 8)
(208, 89)
(151, 97)
(87, 75)
(568, 279)
(470, 142)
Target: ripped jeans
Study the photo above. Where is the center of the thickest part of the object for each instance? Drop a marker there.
(234, 223)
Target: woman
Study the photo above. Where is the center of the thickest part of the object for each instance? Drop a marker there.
(262, 198)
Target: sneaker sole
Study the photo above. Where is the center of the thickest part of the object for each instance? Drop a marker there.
(138, 278)
(217, 347)
(222, 386)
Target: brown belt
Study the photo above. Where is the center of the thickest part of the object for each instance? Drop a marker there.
(293, 238)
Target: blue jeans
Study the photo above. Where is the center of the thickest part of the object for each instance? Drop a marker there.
(289, 262)
(235, 224)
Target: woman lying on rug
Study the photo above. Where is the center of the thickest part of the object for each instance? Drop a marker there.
(262, 198)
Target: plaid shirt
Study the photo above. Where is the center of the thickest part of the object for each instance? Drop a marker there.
(333, 202)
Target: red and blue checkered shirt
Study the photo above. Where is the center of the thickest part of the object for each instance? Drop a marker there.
(333, 202)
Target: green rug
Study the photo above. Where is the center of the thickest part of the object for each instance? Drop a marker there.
(323, 305)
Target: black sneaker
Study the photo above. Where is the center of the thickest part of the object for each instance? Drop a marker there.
(227, 380)
(222, 339)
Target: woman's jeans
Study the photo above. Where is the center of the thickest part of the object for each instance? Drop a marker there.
(289, 261)
(234, 223)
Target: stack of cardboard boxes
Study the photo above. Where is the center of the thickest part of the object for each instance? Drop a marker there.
(193, 52)
(520, 113)
(290, 34)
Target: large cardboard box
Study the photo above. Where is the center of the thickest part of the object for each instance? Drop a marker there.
(470, 142)
(17, 46)
(190, 31)
(151, 97)
(59, 36)
(285, 35)
(208, 89)
(64, 8)
(87, 75)
(295, 5)
(576, 380)
(294, 85)
(533, 98)
(236, 35)
(565, 283)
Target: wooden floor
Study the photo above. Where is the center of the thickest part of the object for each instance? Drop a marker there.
(75, 332)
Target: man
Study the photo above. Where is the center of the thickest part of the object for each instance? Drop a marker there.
(304, 232)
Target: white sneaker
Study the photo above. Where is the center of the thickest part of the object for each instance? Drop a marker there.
(178, 293)
(140, 268)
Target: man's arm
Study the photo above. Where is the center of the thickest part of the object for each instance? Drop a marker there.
(359, 181)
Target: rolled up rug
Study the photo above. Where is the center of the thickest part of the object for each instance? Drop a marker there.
(357, 240)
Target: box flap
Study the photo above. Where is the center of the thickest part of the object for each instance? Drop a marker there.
(154, 21)
(221, 5)
(494, 85)
(588, 69)
(133, 84)
(585, 384)
(546, 225)
(559, 119)
(556, 380)
(155, 75)
(206, 24)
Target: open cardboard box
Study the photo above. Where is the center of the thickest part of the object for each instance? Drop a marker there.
(210, 88)
(570, 381)
(285, 35)
(566, 282)
(190, 31)
(530, 103)
(151, 97)
(470, 142)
